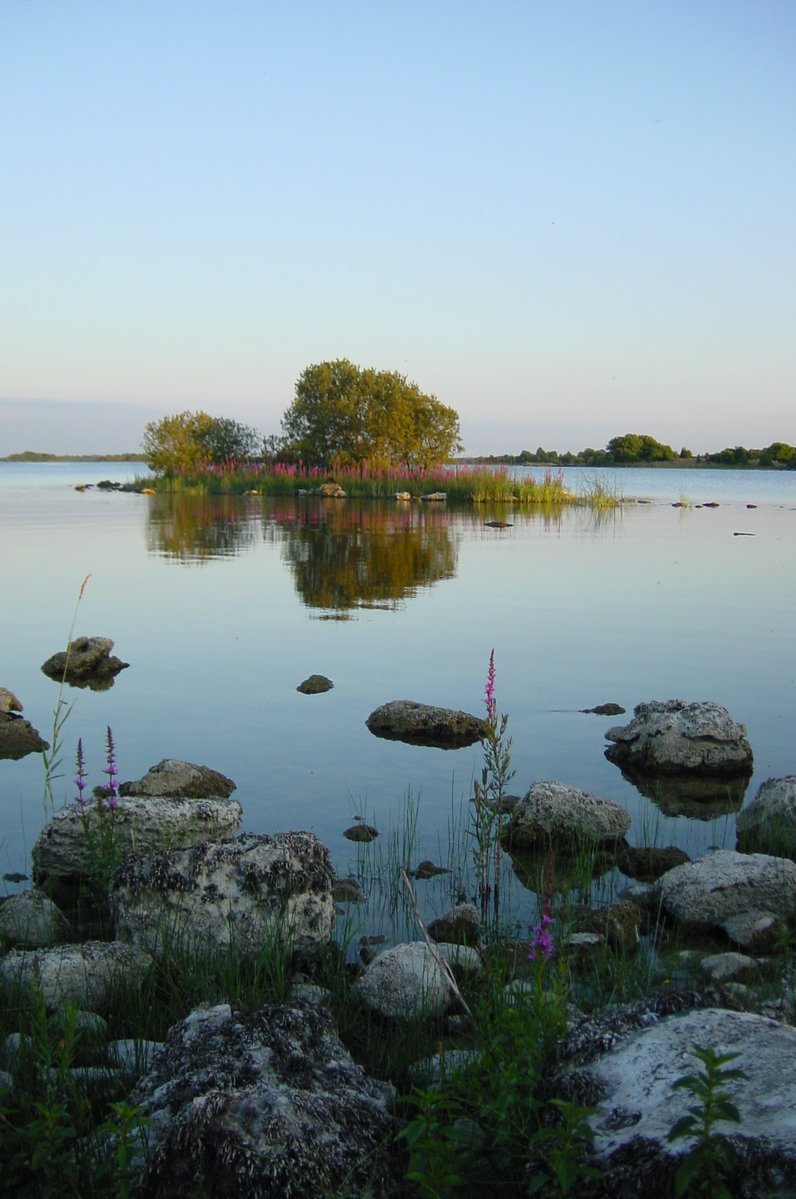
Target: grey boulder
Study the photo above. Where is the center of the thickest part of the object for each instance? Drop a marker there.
(673, 737)
(248, 892)
(710, 891)
(265, 1104)
(31, 919)
(568, 816)
(405, 982)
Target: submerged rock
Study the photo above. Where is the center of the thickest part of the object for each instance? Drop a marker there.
(673, 737)
(8, 701)
(86, 662)
(361, 832)
(265, 1104)
(424, 724)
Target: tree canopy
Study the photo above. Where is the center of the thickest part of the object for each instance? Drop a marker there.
(190, 441)
(345, 414)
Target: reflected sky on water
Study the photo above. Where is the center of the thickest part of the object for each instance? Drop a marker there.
(223, 605)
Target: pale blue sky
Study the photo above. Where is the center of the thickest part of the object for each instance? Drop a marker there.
(566, 220)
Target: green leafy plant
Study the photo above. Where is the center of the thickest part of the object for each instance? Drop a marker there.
(707, 1166)
(435, 1148)
(488, 803)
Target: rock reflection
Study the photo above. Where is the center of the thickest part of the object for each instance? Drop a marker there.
(352, 555)
(700, 797)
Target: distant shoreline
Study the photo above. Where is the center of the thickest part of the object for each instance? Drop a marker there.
(32, 456)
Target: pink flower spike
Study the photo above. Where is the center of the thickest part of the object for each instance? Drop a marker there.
(490, 687)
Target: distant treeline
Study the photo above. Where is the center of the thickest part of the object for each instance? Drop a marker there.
(639, 449)
(36, 456)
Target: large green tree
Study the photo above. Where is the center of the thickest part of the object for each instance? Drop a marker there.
(191, 441)
(345, 414)
(638, 447)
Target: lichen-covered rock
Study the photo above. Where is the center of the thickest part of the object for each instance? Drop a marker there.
(66, 848)
(768, 823)
(425, 724)
(405, 982)
(246, 891)
(31, 919)
(567, 816)
(630, 1080)
(704, 894)
(673, 737)
(262, 1105)
(86, 662)
(180, 780)
(83, 975)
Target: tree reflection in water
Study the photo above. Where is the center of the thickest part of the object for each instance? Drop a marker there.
(198, 528)
(343, 554)
(349, 554)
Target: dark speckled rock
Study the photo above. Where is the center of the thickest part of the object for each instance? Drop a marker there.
(245, 890)
(265, 1104)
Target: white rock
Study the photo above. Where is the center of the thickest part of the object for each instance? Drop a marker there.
(83, 975)
(405, 982)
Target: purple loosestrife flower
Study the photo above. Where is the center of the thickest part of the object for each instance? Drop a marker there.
(80, 780)
(489, 690)
(112, 772)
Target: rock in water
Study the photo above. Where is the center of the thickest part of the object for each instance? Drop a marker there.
(424, 724)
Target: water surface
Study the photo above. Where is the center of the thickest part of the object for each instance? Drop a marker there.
(222, 606)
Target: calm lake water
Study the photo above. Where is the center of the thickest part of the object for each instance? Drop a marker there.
(223, 605)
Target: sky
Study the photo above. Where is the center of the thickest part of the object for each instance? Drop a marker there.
(567, 221)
